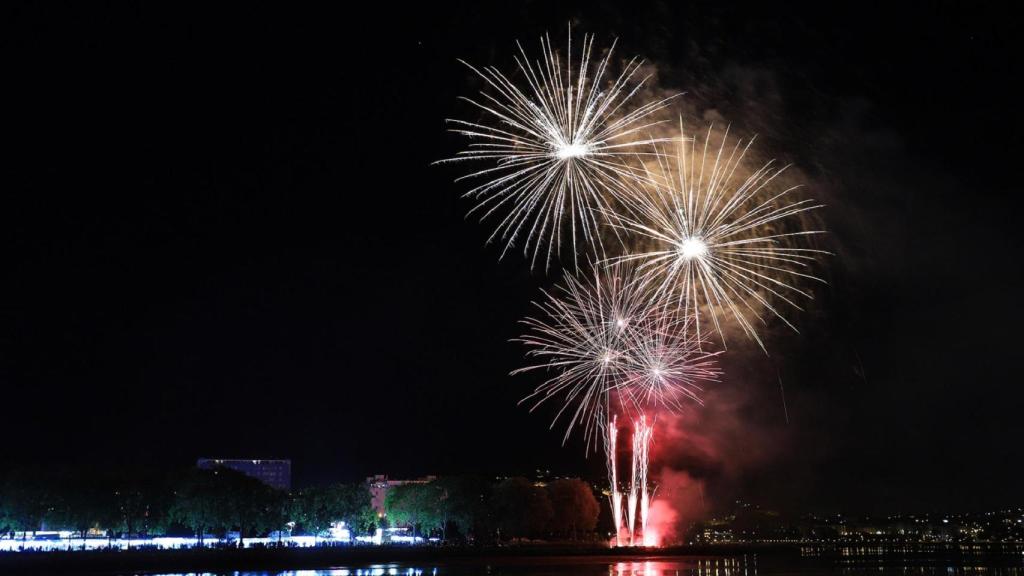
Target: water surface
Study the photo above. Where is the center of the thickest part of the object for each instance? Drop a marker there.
(750, 565)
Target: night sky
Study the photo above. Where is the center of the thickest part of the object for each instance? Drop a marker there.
(221, 235)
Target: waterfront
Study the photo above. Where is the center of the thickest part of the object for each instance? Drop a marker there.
(527, 561)
(746, 565)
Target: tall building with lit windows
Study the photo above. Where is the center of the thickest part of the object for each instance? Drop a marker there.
(274, 473)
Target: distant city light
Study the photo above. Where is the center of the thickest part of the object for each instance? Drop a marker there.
(71, 541)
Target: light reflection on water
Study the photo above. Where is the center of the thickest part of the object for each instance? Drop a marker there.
(724, 566)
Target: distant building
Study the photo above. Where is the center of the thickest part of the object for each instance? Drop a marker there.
(380, 484)
(274, 473)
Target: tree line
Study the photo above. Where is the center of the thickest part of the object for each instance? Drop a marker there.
(200, 503)
(460, 508)
(190, 502)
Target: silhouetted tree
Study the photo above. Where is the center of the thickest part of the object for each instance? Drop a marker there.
(574, 507)
(198, 503)
(26, 498)
(462, 505)
(521, 509)
(248, 504)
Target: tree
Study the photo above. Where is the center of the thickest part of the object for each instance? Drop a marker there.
(353, 505)
(461, 504)
(28, 496)
(197, 503)
(223, 499)
(574, 507)
(312, 510)
(316, 509)
(416, 505)
(79, 504)
(133, 501)
(248, 504)
(521, 509)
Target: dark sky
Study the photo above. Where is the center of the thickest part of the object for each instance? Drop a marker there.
(221, 235)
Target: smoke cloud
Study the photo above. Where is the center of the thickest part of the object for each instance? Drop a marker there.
(707, 456)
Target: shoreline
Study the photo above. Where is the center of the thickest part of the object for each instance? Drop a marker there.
(214, 560)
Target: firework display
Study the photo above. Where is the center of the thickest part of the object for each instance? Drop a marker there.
(702, 243)
(584, 332)
(610, 344)
(667, 364)
(718, 241)
(556, 146)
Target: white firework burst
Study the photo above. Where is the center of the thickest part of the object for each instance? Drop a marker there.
(583, 335)
(667, 364)
(558, 144)
(608, 337)
(724, 242)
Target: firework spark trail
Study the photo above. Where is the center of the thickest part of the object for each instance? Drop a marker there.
(611, 340)
(584, 334)
(667, 364)
(558, 147)
(641, 449)
(719, 241)
(782, 391)
(632, 498)
(616, 495)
